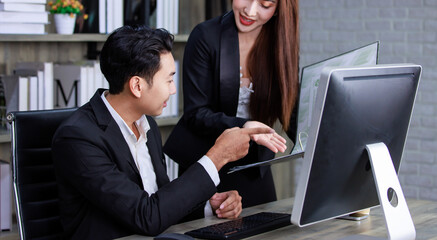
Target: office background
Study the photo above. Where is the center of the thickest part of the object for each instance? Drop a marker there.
(407, 31)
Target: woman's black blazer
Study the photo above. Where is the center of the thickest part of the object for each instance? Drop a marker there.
(211, 87)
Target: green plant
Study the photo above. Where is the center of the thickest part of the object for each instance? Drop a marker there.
(67, 7)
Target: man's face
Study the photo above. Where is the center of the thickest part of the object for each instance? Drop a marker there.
(155, 97)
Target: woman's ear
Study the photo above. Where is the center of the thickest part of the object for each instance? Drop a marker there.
(135, 86)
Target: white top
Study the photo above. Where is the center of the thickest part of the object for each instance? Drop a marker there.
(243, 101)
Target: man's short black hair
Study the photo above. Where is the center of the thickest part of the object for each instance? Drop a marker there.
(133, 51)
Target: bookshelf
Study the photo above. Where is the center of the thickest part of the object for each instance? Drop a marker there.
(59, 48)
(19, 48)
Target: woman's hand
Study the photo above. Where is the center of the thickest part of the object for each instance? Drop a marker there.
(272, 141)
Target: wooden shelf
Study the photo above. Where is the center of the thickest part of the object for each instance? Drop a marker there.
(81, 37)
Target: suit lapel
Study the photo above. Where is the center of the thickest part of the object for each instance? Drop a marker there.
(118, 143)
(229, 65)
(157, 157)
(113, 133)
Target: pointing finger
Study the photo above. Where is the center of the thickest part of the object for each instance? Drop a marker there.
(251, 131)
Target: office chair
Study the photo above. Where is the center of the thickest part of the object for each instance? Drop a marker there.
(34, 180)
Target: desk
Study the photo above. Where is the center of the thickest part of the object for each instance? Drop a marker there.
(424, 215)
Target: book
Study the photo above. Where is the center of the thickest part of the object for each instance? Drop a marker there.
(33, 93)
(44, 73)
(102, 16)
(40, 77)
(68, 79)
(91, 79)
(174, 99)
(22, 7)
(22, 28)
(310, 77)
(167, 15)
(91, 84)
(5, 196)
(118, 14)
(24, 1)
(16, 92)
(24, 17)
(109, 16)
(23, 93)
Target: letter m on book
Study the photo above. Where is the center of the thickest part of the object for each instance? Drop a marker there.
(64, 99)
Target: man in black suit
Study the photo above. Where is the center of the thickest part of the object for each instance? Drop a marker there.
(108, 158)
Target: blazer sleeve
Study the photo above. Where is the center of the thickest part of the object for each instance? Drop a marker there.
(202, 111)
(84, 162)
(292, 130)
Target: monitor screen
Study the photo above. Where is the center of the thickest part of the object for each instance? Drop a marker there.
(355, 106)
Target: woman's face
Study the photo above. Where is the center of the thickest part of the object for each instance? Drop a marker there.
(250, 15)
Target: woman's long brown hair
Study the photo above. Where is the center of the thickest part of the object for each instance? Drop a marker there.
(273, 64)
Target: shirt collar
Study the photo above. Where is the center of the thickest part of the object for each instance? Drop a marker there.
(142, 123)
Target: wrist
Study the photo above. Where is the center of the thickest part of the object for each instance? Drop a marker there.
(216, 159)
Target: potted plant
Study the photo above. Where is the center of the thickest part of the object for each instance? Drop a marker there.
(64, 13)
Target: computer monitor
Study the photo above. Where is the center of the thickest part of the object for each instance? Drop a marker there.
(355, 107)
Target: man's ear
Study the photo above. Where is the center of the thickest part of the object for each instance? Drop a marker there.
(134, 85)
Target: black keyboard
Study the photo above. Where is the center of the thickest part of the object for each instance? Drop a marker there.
(243, 227)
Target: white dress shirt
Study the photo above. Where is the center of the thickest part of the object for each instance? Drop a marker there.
(140, 153)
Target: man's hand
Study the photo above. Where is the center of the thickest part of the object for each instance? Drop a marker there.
(226, 204)
(233, 144)
(272, 141)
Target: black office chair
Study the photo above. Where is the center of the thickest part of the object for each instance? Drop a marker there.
(34, 180)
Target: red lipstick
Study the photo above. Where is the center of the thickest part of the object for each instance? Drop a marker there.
(246, 21)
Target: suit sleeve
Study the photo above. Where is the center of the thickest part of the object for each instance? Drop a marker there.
(292, 130)
(84, 162)
(201, 84)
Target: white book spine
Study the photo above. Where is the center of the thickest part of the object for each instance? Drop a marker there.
(24, 17)
(40, 76)
(25, 1)
(109, 16)
(48, 85)
(118, 13)
(33, 93)
(160, 14)
(166, 14)
(175, 97)
(175, 17)
(5, 197)
(105, 82)
(102, 16)
(98, 76)
(22, 7)
(23, 93)
(83, 83)
(91, 82)
(22, 28)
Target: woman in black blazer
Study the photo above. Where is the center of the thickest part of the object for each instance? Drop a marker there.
(240, 70)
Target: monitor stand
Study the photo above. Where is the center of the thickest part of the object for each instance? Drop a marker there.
(398, 220)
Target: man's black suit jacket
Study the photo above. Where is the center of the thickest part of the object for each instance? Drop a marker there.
(101, 191)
